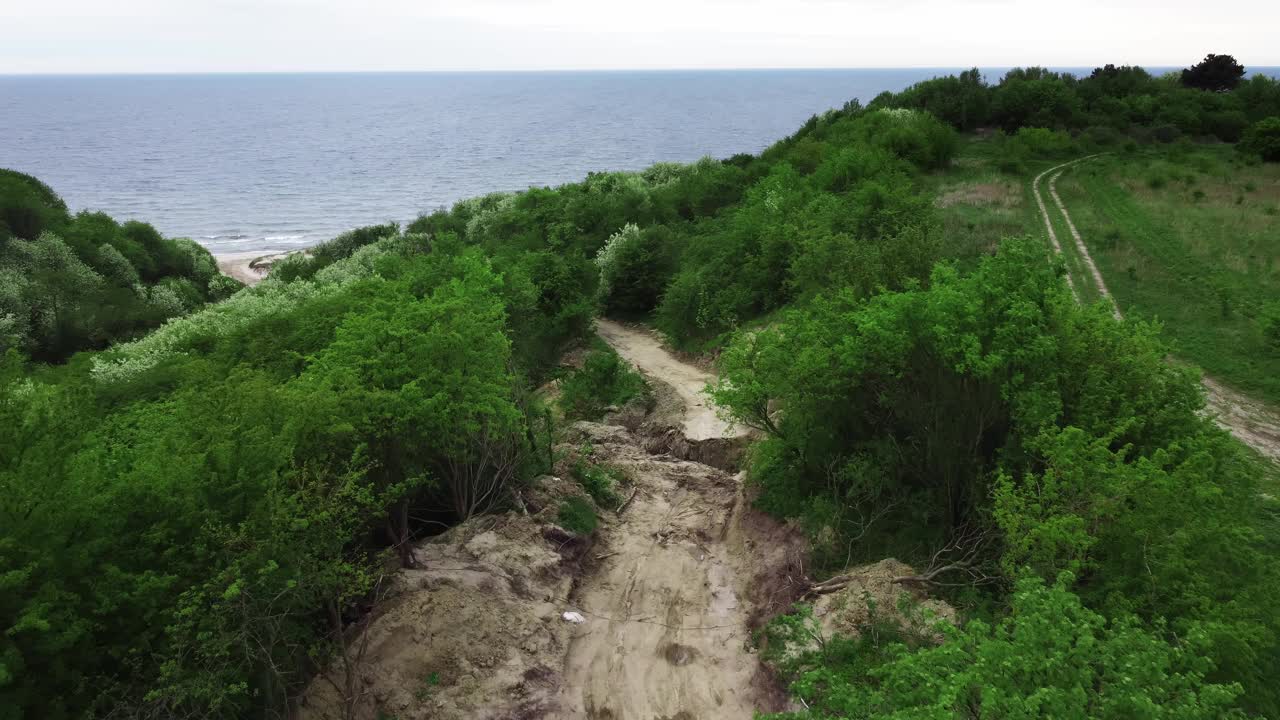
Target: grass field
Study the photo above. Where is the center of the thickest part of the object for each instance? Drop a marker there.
(1190, 238)
(980, 204)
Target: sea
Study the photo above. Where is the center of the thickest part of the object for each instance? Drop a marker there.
(276, 162)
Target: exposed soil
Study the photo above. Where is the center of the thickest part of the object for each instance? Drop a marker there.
(669, 607)
(669, 589)
(642, 348)
(689, 569)
(1251, 421)
(475, 631)
(848, 610)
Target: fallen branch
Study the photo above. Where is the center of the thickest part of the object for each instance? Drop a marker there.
(627, 504)
(830, 585)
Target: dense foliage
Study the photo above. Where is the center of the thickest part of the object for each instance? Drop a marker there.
(1207, 100)
(1263, 139)
(603, 381)
(71, 283)
(192, 519)
(992, 416)
(1049, 657)
(186, 525)
(1218, 73)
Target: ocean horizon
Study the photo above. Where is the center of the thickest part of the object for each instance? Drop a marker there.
(270, 161)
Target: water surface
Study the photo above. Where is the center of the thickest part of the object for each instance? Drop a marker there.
(256, 162)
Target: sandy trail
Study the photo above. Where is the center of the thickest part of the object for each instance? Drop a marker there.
(643, 349)
(666, 636)
(1048, 225)
(1080, 246)
(1249, 420)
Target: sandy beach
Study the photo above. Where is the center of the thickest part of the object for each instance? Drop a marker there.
(247, 267)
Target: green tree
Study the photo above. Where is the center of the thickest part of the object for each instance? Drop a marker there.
(420, 389)
(1216, 73)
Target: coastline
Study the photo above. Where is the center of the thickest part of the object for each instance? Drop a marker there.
(249, 267)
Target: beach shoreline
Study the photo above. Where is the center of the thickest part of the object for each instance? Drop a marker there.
(249, 267)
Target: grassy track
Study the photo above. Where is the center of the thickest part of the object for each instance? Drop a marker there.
(1187, 237)
(1182, 239)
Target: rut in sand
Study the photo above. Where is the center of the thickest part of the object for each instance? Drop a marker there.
(668, 609)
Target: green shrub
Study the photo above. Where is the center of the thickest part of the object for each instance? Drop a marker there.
(600, 481)
(915, 136)
(1165, 133)
(1269, 322)
(1050, 657)
(1101, 136)
(634, 269)
(1263, 139)
(604, 380)
(28, 207)
(1038, 142)
(1111, 239)
(305, 265)
(578, 516)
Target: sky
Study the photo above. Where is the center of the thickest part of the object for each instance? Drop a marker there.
(160, 36)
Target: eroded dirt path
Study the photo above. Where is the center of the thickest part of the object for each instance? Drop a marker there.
(643, 349)
(1250, 421)
(667, 611)
(666, 633)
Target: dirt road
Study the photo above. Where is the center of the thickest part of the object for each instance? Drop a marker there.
(1250, 421)
(1048, 225)
(643, 349)
(666, 634)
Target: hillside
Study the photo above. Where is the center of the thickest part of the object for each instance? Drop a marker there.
(216, 510)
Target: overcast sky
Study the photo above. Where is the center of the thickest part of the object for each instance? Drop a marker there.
(40, 36)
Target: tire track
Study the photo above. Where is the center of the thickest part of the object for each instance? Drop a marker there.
(1248, 420)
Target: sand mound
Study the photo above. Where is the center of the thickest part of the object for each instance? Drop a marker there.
(847, 610)
(475, 632)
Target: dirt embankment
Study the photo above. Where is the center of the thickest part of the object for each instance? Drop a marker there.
(668, 590)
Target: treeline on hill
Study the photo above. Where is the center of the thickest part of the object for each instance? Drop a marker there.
(190, 521)
(71, 283)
